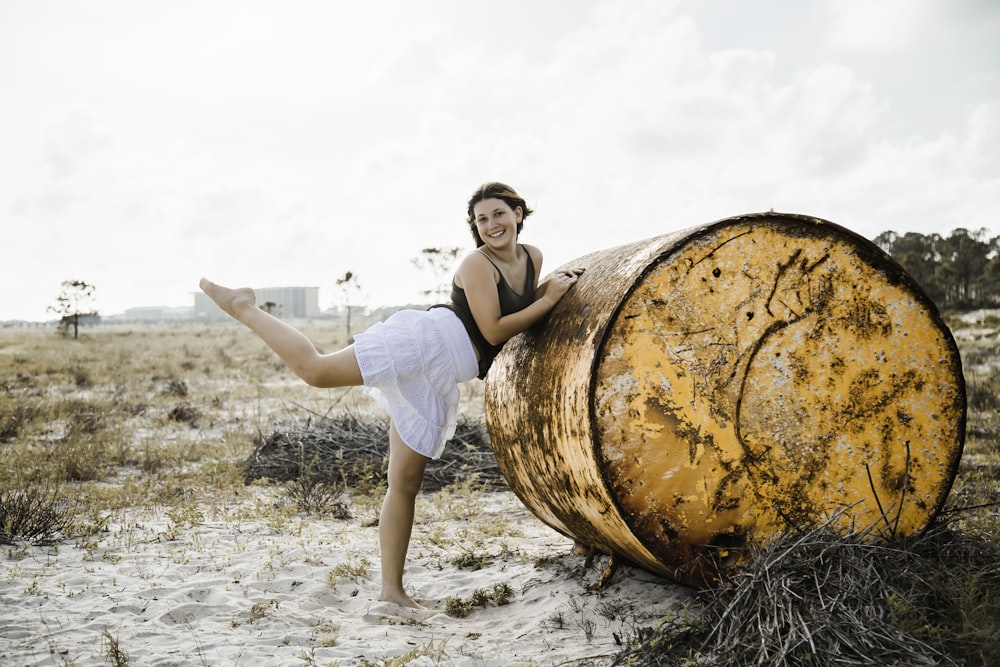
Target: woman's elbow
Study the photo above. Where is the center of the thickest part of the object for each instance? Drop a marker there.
(311, 374)
(495, 339)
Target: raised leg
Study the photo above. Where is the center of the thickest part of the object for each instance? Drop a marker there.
(338, 369)
(406, 474)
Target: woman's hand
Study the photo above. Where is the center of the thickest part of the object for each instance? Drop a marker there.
(557, 284)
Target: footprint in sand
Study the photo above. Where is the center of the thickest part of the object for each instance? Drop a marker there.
(383, 613)
(189, 613)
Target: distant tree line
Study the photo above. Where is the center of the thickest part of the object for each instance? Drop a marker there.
(958, 272)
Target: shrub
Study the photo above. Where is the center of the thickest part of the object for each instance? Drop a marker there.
(316, 493)
(34, 513)
(500, 595)
(15, 414)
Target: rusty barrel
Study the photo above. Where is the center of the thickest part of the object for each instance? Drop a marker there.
(719, 386)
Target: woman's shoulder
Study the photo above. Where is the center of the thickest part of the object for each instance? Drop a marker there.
(474, 265)
(533, 252)
(475, 258)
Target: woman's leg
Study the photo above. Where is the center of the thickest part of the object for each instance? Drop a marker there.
(339, 369)
(406, 474)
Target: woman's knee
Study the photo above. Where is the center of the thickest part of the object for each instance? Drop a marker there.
(406, 467)
(406, 481)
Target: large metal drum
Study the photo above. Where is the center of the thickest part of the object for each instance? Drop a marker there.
(721, 385)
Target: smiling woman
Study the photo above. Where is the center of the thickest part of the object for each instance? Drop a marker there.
(413, 362)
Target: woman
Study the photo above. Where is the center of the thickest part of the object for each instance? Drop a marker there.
(413, 362)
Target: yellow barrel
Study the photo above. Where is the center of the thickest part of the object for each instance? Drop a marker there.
(721, 385)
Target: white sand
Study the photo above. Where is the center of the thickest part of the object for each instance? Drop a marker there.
(256, 591)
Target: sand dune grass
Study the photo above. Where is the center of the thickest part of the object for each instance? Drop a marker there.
(130, 441)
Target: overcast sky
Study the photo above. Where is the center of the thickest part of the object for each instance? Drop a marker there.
(144, 144)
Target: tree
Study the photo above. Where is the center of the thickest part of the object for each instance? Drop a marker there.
(920, 255)
(349, 288)
(965, 256)
(989, 282)
(76, 295)
(440, 262)
(958, 272)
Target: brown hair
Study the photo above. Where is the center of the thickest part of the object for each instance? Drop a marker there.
(500, 191)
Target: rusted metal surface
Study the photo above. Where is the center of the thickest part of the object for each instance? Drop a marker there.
(724, 384)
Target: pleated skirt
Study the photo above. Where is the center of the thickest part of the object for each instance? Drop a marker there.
(412, 364)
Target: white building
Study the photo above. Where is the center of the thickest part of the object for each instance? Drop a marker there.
(283, 302)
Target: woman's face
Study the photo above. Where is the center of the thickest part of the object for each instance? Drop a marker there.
(496, 221)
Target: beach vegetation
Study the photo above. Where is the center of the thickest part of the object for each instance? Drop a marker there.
(500, 594)
(471, 560)
(35, 513)
(260, 610)
(352, 567)
(189, 425)
(115, 655)
(327, 635)
(314, 492)
(436, 652)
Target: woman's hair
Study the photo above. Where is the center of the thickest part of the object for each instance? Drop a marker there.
(496, 191)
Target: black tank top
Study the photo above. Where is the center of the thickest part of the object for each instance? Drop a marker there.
(510, 302)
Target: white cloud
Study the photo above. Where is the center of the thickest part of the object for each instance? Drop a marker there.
(879, 25)
(271, 144)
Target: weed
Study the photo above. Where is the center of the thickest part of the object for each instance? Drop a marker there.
(458, 607)
(480, 597)
(35, 513)
(82, 459)
(15, 414)
(183, 413)
(557, 621)
(183, 515)
(316, 493)
(80, 377)
(619, 609)
(113, 652)
(349, 569)
(983, 391)
(260, 610)
(308, 658)
(502, 593)
(175, 388)
(435, 653)
(327, 635)
(469, 560)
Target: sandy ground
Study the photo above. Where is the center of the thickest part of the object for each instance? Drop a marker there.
(226, 590)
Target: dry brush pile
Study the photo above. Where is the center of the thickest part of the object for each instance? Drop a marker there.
(353, 451)
(820, 598)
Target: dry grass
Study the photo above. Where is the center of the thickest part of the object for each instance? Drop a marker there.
(827, 599)
(136, 417)
(182, 419)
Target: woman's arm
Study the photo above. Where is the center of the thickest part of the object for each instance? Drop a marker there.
(476, 275)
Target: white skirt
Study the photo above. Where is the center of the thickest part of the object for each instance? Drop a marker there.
(412, 364)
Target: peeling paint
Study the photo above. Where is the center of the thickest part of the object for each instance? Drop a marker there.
(729, 383)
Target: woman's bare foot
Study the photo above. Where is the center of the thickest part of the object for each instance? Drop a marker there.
(400, 598)
(229, 300)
